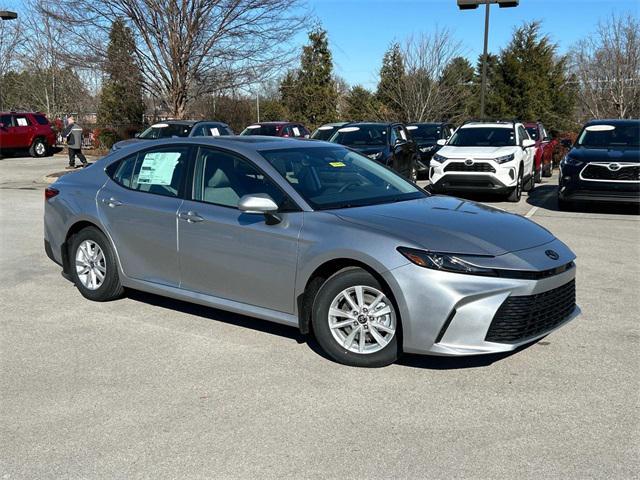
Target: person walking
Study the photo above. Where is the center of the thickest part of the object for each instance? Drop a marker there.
(73, 134)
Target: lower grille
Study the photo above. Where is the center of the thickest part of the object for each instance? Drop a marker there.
(519, 318)
(475, 167)
(602, 172)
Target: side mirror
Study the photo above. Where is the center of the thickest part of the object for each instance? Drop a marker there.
(528, 143)
(137, 135)
(442, 142)
(261, 204)
(566, 143)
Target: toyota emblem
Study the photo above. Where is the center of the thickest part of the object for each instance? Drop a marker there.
(552, 255)
(468, 162)
(614, 167)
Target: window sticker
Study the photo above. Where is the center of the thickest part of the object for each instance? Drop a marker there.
(403, 135)
(325, 127)
(157, 168)
(412, 127)
(349, 129)
(22, 122)
(214, 132)
(337, 164)
(600, 128)
(296, 131)
(253, 127)
(160, 125)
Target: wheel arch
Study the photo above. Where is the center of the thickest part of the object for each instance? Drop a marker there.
(71, 231)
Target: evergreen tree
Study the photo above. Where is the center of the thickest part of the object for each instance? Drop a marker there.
(361, 104)
(391, 79)
(121, 99)
(457, 82)
(310, 94)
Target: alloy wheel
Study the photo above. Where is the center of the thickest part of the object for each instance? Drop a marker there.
(40, 148)
(362, 319)
(90, 265)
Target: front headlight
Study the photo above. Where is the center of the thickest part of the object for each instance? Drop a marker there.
(571, 162)
(446, 262)
(375, 156)
(439, 158)
(506, 158)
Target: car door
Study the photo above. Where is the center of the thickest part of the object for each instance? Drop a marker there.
(139, 207)
(22, 131)
(402, 150)
(229, 253)
(528, 153)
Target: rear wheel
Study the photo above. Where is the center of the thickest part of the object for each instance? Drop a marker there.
(537, 177)
(93, 266)
(38, 148)
(355, 320)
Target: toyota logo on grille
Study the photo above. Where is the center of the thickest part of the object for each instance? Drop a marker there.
(468, 161)
(552, 255)
(614, 167)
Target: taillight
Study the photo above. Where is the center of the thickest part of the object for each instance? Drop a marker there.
(50, 192)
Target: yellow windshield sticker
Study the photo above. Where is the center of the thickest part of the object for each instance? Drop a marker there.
(337, 164)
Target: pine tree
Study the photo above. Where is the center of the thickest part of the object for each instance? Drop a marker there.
(391, 79)
(121, 101)
(457, 81)
(361, 104)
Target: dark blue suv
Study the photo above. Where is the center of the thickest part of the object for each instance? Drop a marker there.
(603, 165)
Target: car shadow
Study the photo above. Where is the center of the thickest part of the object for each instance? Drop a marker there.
(265, 326)
(545, 196)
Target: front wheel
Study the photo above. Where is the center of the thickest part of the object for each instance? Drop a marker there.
(355, 321)
(93, 266)
(516, 193)
(38, 148)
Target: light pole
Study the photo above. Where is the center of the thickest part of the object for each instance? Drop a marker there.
(471, 5)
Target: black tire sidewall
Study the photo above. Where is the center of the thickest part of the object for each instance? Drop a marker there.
(33, 149)
(320, 311)
(111, 287)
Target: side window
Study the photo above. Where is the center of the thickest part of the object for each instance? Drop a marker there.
(160, 171)
(6, 119)
(286, 132)
(394, 136)
(200, 131)
(41, 119)
(122, 171)
(222, 179)
(522, 133)
(21, 121)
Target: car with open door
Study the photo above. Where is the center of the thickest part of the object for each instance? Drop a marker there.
(426, 136)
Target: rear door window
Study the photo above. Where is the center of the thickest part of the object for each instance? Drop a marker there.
(41, 119)
(6, 120)
(21, 121)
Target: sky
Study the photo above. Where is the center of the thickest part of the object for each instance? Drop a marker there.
(360, 31)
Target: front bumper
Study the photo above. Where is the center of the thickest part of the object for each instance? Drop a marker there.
(452, 314)
(574, 188)
(502, 179)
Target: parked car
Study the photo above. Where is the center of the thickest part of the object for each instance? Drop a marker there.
(26, 131)
(178, 128)
(311, 235)
(325, 132)
(277, 129)
(426, 136)
(387, 143)
(544, 148)
(485, 157)
(603, 165)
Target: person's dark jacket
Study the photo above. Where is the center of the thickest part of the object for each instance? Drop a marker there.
(73, 135)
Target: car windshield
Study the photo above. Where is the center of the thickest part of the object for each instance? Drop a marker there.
(610, 136)
(324, 133)
(533, 133)
(425, 134)
(361, 136)
(269, 130)
(166, 130)
(335, 177)
(483, 137)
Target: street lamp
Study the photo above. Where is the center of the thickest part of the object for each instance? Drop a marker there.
(7, 15)
(472, 5)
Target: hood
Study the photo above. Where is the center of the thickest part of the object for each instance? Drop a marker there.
(476, 152)
(126, 143)
(450, 225)
(605, 155)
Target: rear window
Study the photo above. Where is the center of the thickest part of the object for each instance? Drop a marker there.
(41, 119)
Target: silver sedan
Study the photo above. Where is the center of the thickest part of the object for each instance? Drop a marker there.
(312, 235)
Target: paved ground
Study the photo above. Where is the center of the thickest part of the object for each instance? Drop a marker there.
(147, 387)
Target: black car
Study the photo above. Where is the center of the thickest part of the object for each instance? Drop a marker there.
(426, 136)
(179, 128)
(326, 131)
(388, 143)
(603, 165)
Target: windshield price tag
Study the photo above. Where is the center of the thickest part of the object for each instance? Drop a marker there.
(337, 164)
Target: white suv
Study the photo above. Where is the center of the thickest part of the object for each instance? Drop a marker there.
(485, 157)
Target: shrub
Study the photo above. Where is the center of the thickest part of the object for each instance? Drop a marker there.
(106, 138)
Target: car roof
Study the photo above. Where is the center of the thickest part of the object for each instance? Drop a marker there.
(334, 124)
(176, 122)
(381, 124)
(614, 121)
(489, 124)
(428, 123)
(276, 123)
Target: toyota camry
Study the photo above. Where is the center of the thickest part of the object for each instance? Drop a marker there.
(311, 235)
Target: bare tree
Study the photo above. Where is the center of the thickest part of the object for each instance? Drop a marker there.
(189, 48)
(420, 95)
(10, 36)
(607, 67)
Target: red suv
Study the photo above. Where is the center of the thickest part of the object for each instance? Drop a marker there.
(545, 146)
(277, 129)
(25, 130)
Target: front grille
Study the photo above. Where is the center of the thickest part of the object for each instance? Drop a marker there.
(475, 167)
(520, 318)
(602, 172)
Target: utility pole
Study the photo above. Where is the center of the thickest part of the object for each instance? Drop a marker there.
(472, 5)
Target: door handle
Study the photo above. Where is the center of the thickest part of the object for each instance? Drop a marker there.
(191, 217)
(112, 202)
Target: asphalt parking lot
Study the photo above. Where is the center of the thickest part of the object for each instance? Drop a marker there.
(154, 388)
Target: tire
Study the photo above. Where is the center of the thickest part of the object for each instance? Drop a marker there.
(516, 193)
(537, 176)
(38, 148)
(548, 171)
(379, 345)
(83, 256)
